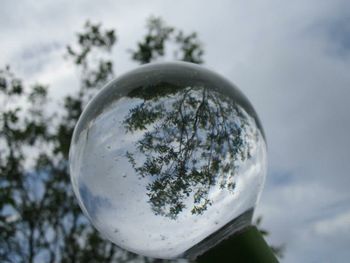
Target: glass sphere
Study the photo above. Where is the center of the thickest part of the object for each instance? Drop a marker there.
(168, 159)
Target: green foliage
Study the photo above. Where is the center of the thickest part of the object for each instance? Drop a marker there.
(152, 46)
(89, 55)
(160, 36)
(198, 135)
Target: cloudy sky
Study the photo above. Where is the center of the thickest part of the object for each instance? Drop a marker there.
(291, 58)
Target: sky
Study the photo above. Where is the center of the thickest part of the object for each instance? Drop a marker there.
(291, 59)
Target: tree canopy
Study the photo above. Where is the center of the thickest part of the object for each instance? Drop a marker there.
(198, 139)
(40, 220)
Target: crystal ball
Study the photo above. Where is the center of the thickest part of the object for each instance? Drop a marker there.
(168, 159)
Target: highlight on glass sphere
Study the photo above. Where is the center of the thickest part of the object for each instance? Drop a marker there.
(168, 159)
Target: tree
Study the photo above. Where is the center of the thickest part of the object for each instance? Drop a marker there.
(198, 135)
(40, 220)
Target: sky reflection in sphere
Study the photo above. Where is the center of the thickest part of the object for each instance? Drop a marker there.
(165, 156)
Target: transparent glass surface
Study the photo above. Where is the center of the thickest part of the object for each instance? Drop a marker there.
(165, 156)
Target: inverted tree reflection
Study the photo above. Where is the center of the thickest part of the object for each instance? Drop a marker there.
(194, 140)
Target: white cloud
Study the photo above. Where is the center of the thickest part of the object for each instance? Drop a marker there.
(333, 226)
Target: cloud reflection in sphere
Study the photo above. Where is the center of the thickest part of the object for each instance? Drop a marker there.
(165, 156)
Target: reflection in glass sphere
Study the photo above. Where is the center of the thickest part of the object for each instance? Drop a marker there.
(165, 156)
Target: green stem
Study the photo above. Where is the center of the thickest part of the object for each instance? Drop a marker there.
(247, 246)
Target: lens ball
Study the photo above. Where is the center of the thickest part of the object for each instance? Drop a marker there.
(166, 156)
